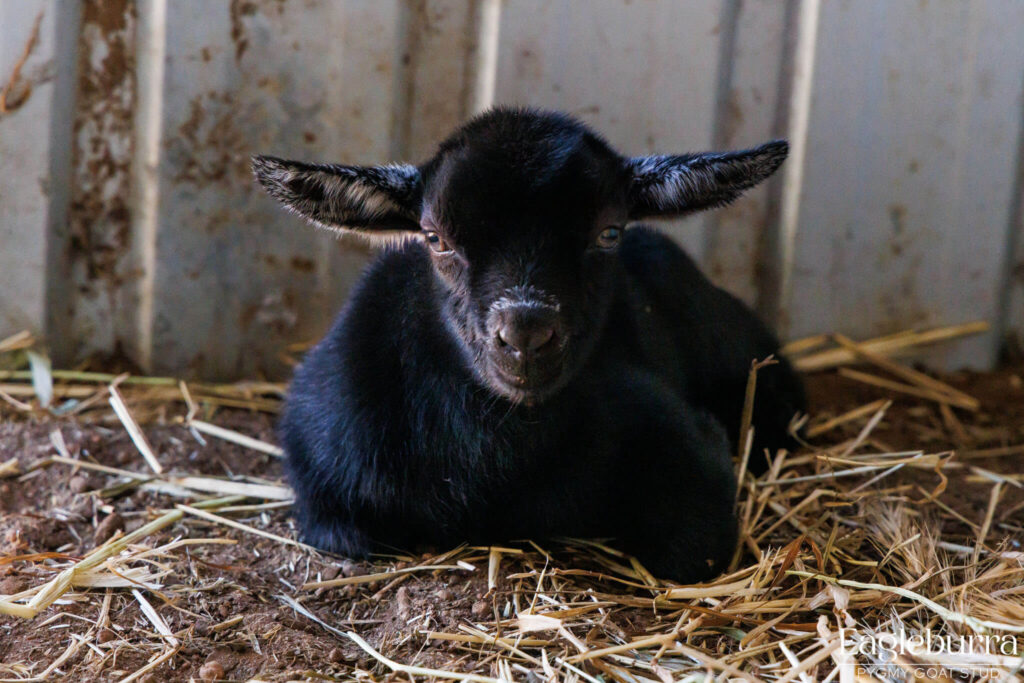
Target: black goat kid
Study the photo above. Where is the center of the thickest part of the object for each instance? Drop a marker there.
(519, 362)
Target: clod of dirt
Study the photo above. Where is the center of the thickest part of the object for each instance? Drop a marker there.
(11, 542)
(350, 569)
(12, 585)
(481, 608)
(211, 671)
(404, 603)
(336, 655)
(110, 525)
(105, 636)
(224, 657)
(20, 533)
(79, 484)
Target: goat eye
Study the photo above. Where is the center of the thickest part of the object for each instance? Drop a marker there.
(437, 243)
(609, 237)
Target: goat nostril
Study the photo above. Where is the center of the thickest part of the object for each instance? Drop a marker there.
(540, 338)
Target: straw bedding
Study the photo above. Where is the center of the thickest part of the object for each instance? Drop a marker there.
(144, 535)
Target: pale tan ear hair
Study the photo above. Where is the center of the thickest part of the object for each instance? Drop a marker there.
(377, 203)
(673, 185)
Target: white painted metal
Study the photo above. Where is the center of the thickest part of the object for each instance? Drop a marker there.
(25, 160)
(440, 65)
(1010, 316)
(911, 169)
(237, 278)
(93, 272)
(128, 220)
(801, 76)
(750, 108)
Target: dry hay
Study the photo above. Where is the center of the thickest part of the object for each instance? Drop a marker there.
(847, 544)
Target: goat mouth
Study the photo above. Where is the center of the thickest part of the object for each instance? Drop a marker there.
(524, 384)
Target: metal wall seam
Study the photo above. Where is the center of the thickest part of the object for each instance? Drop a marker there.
(1009, 325)
(774, 297)
(488, 31)
(151, 51)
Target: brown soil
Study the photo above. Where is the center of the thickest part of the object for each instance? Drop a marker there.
(223, 600)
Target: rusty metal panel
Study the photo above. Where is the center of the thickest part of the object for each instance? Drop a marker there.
(749, 110)
(1011, 325)
(435, 71)
(93, 311)
(644, 74)
(27, 55)
(911, 169)
(133, 226)
(236, 277)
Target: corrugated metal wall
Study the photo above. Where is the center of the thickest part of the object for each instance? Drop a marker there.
(129, 223)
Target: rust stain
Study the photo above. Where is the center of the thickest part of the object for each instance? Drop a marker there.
(302, 264)
(733, 116)
(898, 217)
(299, 264)
(100, 219)
(210, 146)
(16, 91)
(239, 36)
(215, 137)
(239, 10)
(527, 63)
(900, 304)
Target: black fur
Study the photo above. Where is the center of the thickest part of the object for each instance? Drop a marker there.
(423, 419)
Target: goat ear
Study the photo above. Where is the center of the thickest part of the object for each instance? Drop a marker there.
(681, 184)
(360, 198)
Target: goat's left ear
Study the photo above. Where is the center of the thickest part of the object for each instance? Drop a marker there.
(365, 199)
(681, 184)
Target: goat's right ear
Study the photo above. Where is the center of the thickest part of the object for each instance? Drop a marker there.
(366, 199)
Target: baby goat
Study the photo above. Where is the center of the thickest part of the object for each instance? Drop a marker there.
(522, 361)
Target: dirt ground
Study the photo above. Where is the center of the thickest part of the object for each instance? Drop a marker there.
(227, 602)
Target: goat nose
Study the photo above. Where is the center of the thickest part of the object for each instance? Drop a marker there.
(526, 338)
